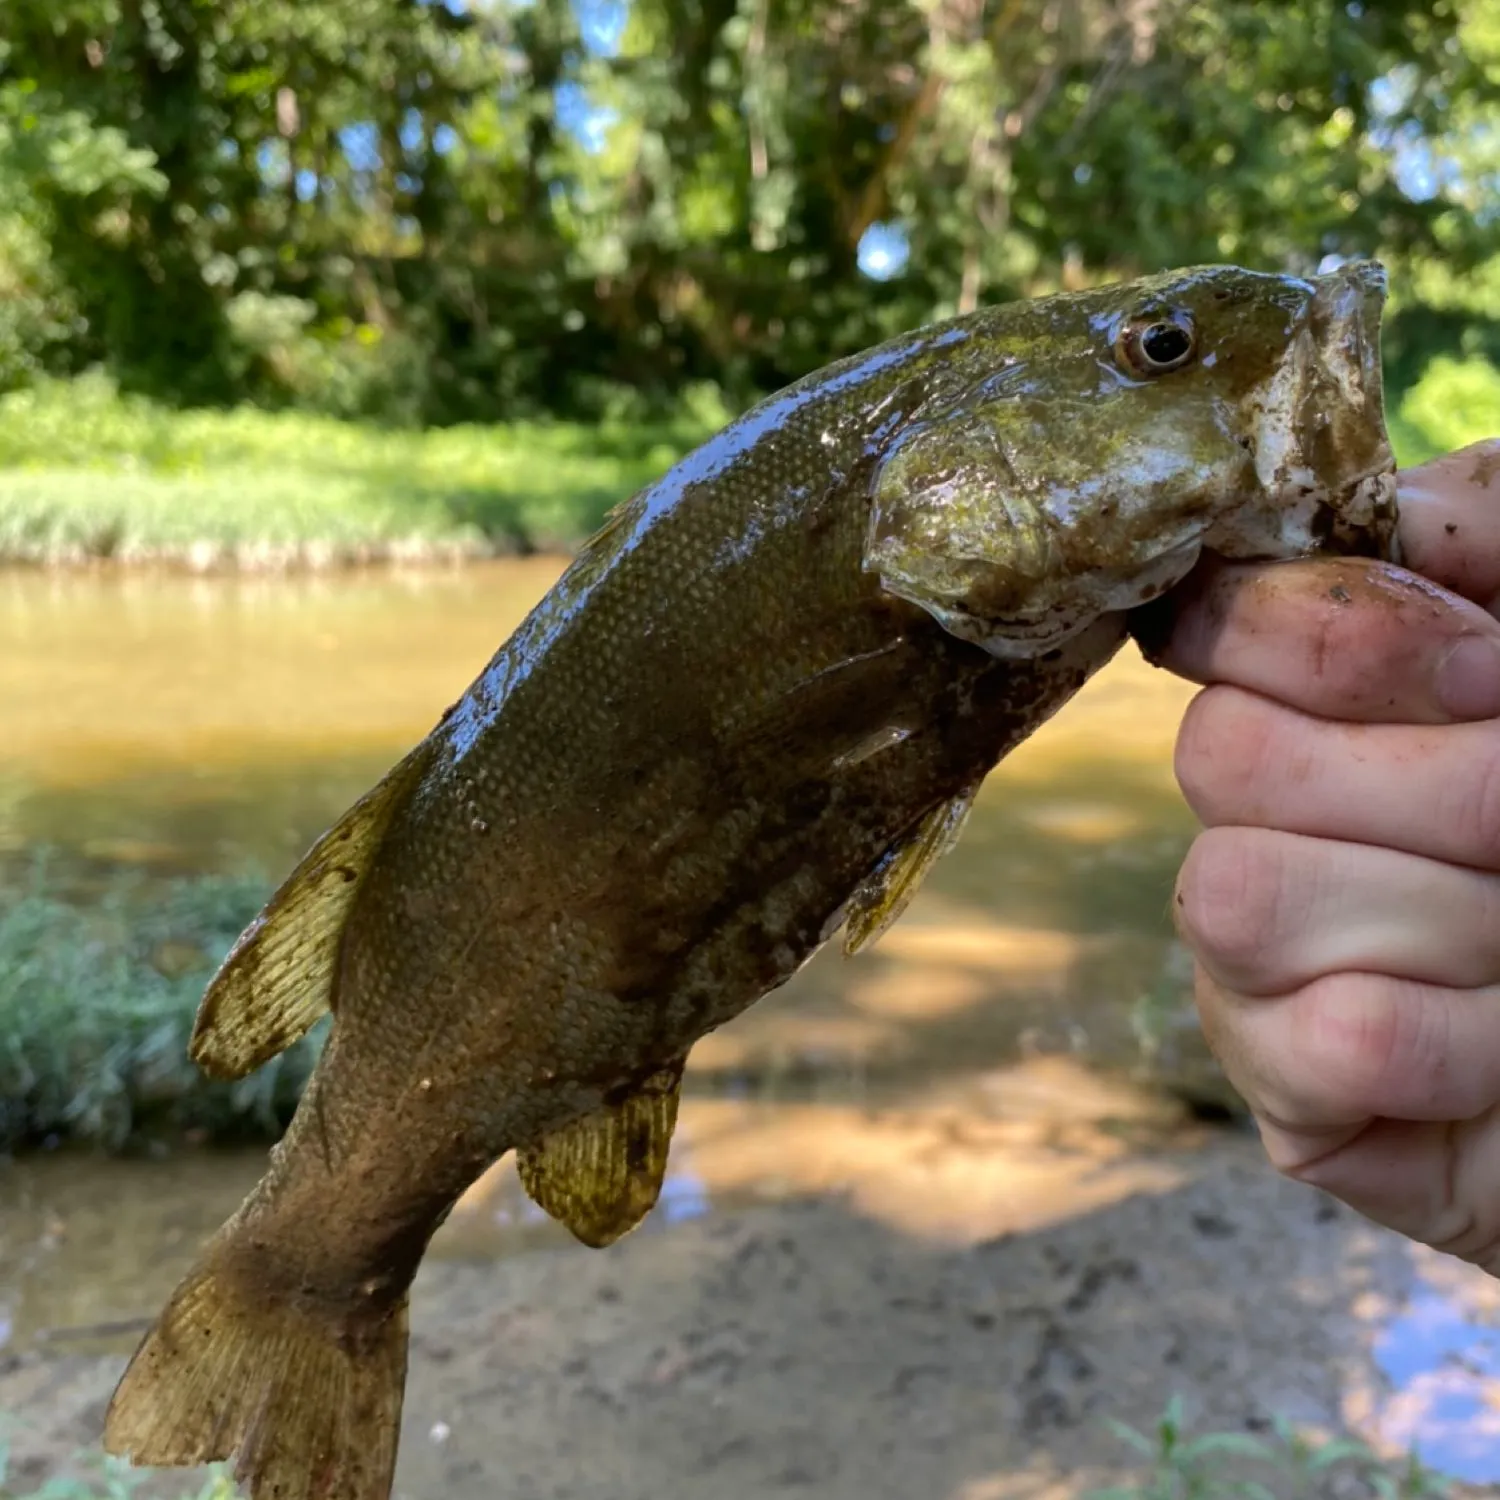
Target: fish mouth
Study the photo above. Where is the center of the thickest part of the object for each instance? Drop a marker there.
(1344, 318)
(1323, 461)
(1298, 464)
(1340, 419)
(1343, 413)
(1325, 470)
(1094, 595)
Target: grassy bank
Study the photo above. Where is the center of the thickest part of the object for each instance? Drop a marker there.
(98, 991)
(88, 474)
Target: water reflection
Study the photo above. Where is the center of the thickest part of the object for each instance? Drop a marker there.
(203, 723)
(1438, 1351)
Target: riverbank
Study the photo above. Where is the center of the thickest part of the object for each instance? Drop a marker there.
(851, 1344)
(89, 476)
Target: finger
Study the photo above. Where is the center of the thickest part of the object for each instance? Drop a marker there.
(1267, 912)
(1450, 521)
(1319, 1064)
(1341, 638)
(1433, 791)
(1433, 1182)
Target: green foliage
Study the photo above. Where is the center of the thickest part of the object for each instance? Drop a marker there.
(36, 313)
(97, 1000)
(407, 212)
(1239, 1466)
(1455, 402)
(85, 472)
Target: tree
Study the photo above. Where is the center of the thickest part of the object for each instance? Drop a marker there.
(440, 209)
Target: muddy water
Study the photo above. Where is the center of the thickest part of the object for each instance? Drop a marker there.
(188, 724)
(1011, 1061)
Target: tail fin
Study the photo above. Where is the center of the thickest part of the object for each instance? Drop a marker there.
(312, 1406)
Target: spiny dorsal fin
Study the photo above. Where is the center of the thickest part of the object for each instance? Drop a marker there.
(885, 895)
(602, 1174)
(278, 978)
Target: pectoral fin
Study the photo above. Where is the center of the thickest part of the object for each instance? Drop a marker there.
(886, 894)
(278, 978)
(601, 1175)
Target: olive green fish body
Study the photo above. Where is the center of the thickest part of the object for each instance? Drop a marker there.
(754, 709)
(653, 806)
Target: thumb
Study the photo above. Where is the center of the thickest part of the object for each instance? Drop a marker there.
(1450, 522)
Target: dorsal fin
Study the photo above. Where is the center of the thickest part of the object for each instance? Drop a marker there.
(278, 978)
(885, 895)
(602, 1174)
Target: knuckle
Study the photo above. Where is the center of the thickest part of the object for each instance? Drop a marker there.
(1232, 901)
(1222, 746)
(1376, 1046)
(1221, 1018)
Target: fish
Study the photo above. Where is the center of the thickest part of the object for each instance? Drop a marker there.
(751, 714)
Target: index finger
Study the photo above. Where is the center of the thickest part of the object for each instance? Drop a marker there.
(1337, 638)
(1352, 639)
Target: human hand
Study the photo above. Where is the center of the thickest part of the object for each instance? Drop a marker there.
(1343, 902)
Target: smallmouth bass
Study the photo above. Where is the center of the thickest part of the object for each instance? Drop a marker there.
(752, 712)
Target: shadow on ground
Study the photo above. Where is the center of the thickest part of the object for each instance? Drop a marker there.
(807, 1348)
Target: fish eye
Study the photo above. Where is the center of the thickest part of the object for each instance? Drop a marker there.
(1156, 346)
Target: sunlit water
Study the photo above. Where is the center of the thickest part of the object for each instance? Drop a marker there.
(995, 1064)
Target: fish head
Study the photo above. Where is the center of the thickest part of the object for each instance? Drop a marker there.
(1083, 450)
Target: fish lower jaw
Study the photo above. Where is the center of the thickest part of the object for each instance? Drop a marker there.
(1088, 599)
(1303, 515)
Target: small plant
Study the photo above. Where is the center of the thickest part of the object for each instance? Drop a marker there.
(1292, 1466)
(97, 1000)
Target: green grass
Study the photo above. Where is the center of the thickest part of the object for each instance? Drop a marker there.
(1284, 1465)
(86, 473)
(98, 991)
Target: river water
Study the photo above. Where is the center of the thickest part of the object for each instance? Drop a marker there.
(1014, 1056)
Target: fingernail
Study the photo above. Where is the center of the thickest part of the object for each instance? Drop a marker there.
(1468, 678)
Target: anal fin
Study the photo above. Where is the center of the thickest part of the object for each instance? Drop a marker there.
(602, 1174)
(277, 980)
(888, 891)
